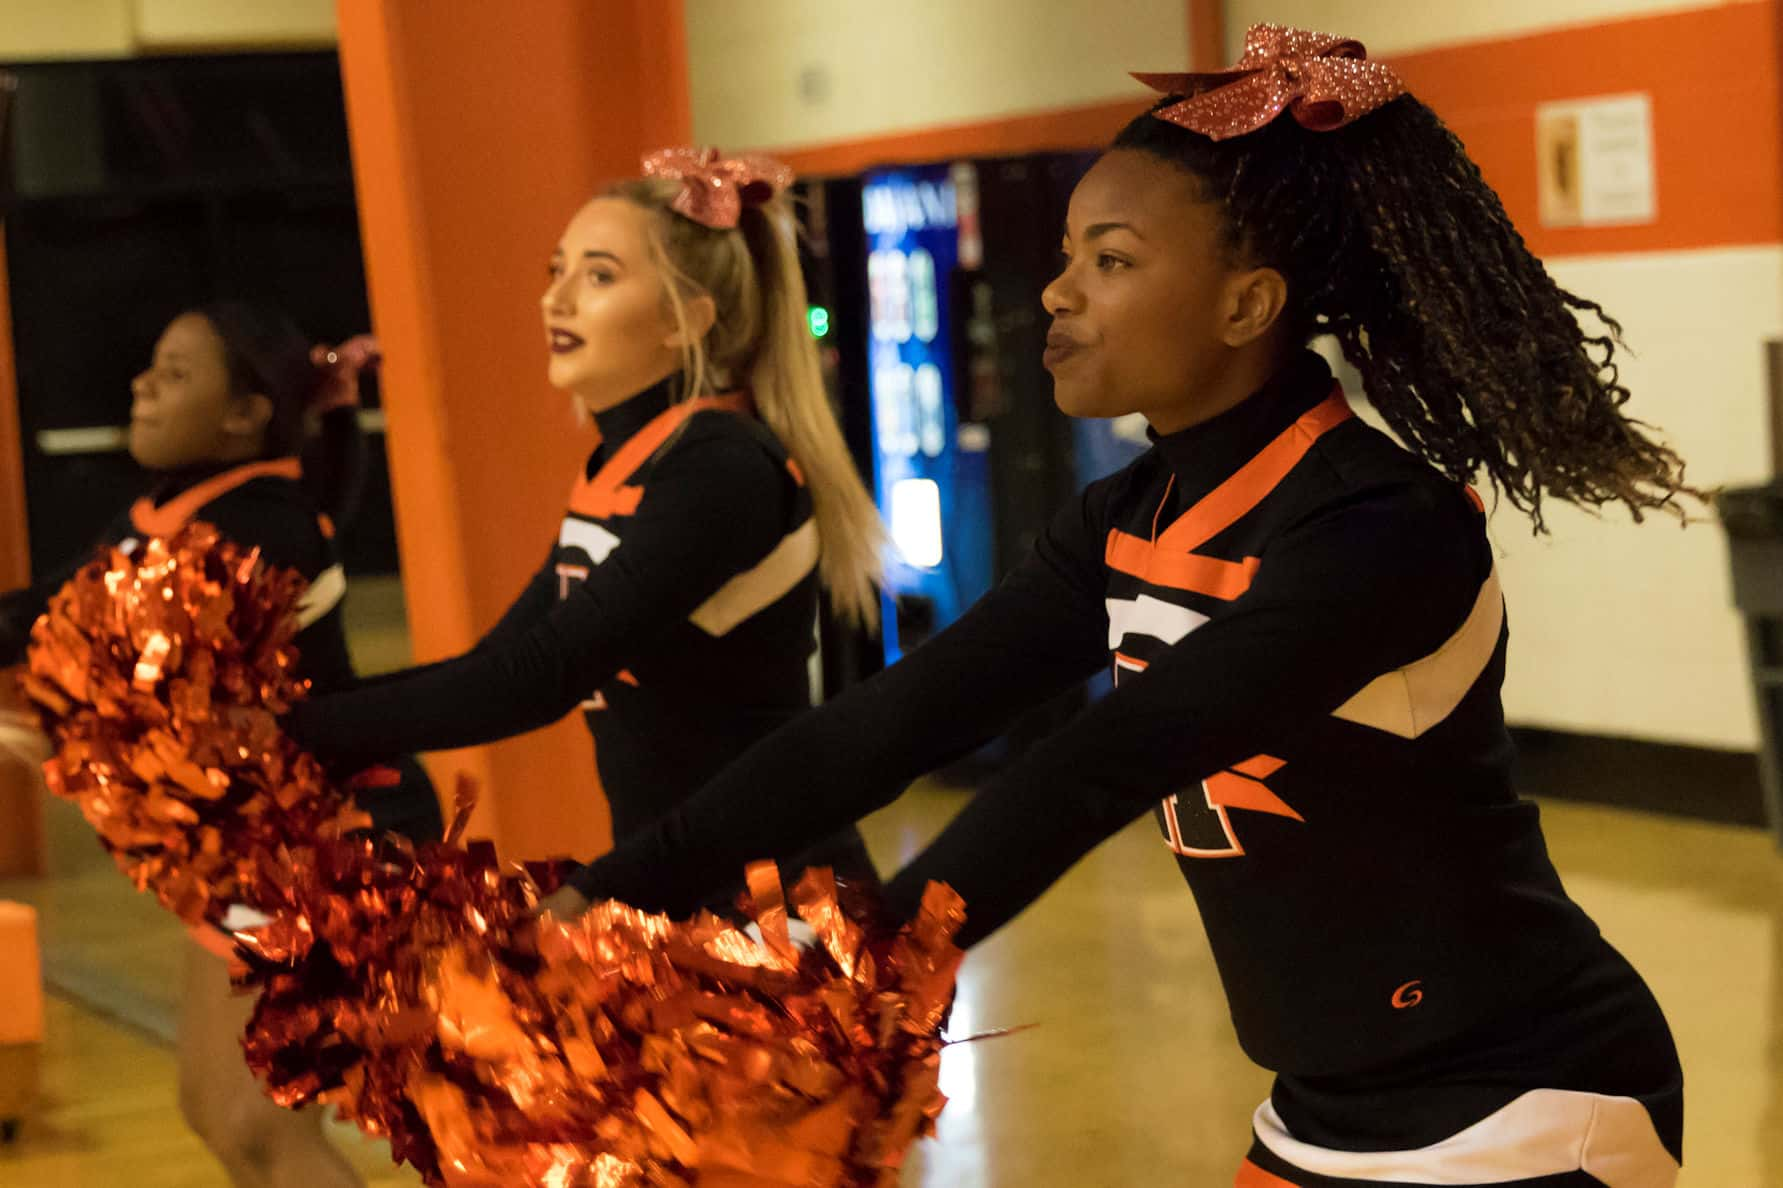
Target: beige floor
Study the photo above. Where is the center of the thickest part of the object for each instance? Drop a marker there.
(1131, 1076)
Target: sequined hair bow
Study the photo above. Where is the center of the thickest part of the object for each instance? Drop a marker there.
(715, 189)
(1324, 81)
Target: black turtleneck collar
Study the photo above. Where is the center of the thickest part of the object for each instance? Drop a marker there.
(1204, 456)
(169, 484)
(619, 423)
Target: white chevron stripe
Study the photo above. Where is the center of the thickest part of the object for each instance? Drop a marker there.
(1146, 615)
(323, 595)
(592, 539)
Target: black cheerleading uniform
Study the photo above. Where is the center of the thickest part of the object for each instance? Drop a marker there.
(287, 507)
(259, 505)
(677, 607)
(1308, 640)
(264, 505)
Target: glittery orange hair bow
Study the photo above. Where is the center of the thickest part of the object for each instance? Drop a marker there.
(715, 189)
(1325, 82)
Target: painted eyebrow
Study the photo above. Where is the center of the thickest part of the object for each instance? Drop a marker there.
(1097, 230)
(558, 255)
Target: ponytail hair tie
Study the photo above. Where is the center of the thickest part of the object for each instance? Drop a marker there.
(715, 189)
(1323, 81)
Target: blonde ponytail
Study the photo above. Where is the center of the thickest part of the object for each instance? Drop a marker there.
(760, 341)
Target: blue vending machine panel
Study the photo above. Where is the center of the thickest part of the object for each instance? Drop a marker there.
(1104, 445)
(932, 475)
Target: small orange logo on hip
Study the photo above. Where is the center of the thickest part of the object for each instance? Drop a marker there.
(1408, 995)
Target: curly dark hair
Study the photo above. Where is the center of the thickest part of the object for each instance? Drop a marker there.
(1391, 241)
(265, 352)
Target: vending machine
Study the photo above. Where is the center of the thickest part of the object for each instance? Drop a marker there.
(930, 457)
(970, 455)
(925, 284)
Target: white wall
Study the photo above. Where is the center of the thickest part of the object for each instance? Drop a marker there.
(782, 73)
(1396, 26)
(64, 29)
(173, 23)
(1629, 629)
(1617, 629)
(68, 29)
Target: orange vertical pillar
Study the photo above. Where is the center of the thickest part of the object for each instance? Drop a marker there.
(21, 1011)
(477, 129)
(22, 846)
(1207, 35)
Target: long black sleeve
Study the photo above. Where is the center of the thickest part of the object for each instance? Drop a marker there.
(334, 464)
(19, 609)
(1038, 632)
(529, 607)
(714, 510)
(1337, 602)
(527, 610)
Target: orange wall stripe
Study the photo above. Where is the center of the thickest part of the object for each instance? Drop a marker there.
(660, 35)
(1712, 73)
(1066, 129)
(1207, 35)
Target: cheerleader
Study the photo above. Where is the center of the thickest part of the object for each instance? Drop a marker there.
(676, 604)
(1305, 622)
(219, 417)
